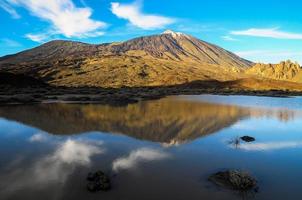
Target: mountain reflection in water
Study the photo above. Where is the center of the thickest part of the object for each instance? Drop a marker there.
(170, 120)
(151, 150)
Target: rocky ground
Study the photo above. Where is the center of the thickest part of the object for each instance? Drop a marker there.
(121, 96)
(18, 88)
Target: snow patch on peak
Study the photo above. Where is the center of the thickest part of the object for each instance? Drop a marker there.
(174, 34)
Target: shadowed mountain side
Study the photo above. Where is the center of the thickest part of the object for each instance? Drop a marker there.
(165, 120)
(22, 89)
(20, 80)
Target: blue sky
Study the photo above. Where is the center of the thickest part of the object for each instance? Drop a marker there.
(259, 30)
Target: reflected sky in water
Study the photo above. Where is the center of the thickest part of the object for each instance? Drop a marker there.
(163, 149)
(250, 101)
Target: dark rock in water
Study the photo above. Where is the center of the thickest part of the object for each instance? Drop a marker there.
(91, 187)
(103, 186)
(98, 181)
(91, 176)
(234, 179)
(104, 179)
(99, 173)
(247, 139)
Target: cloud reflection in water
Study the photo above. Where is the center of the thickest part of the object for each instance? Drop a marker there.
(266, 146)
(38, 137)
(54, 168)
(137, 156)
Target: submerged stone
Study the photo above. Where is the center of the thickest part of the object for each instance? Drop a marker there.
(98, 181)
(91, 176)
(233, 179)
(248, 139)
(99, 173)
(91, 187)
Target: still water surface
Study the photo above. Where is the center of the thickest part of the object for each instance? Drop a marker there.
(162, 149)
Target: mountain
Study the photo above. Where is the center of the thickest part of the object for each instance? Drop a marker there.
(166, 59)
(170, 58)
(181, 47)
(287, 70)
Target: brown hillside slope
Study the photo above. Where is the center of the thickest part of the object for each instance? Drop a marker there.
(166, 59)
(162, 60)
(263, 84)
(288, 71)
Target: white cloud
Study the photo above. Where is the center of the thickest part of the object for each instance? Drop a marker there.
(136, 17)
(65, 18)
(228, 38)
(268, 33)
(37, 37)
(140, 155)
(8, 8)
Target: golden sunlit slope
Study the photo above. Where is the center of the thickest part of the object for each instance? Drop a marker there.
(166, 59)
(287, 71)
